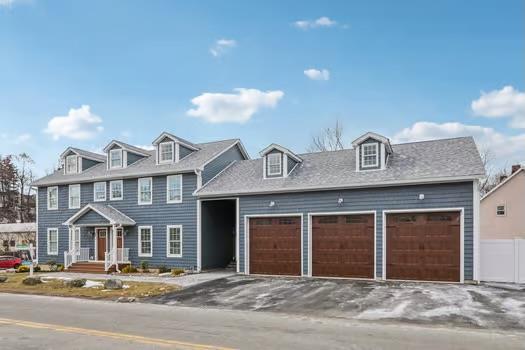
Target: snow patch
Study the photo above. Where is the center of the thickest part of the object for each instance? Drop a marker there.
(377, 314)
(93, 284)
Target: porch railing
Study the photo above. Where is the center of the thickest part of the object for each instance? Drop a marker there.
(83, 254)
(115, 256)
(109, 259)
(122, 255)
(70, 257)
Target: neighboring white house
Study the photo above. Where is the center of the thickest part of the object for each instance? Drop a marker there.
(17, 236)
(502, 230)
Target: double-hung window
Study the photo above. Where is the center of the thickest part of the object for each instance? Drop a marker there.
(166, 152)
(116, 191)
(145, 241)
(370, 155)
(274, 163)
(174, 188)
(71, 164)
(74, 239)
(99, 191)
(115, 158)
(174, 241)
(52, 241)
(74, 196)
(52, 198)
(145, 190)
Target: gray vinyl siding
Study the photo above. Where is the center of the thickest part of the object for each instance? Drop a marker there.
(453, 195)
(133, 157)
(266, 170)
(291, 164)
(91, 218)
(369, 140)
(184, 151)
(221, 162)
(159, 215)
(88, 163)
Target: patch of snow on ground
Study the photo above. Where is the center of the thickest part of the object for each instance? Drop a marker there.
(377, 314)
(93, 284)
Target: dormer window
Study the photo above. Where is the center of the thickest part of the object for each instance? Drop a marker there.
(370, 155)
(274, 164)
(166, 152)
(115, 158)
(71, 164)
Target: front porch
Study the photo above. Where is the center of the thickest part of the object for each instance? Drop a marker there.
(105, 252)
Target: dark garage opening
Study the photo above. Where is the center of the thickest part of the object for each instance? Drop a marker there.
(218, 233)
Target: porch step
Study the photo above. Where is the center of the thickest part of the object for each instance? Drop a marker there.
(92, 267)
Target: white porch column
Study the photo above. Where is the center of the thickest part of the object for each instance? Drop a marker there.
(115, 249)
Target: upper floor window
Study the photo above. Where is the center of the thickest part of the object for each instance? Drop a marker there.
(501, 210)
(145, 190)
(116, 191)
(370, 155)
(52, 198)
(166, 152)
(274, 166)
(174, 188)
(115, 158)
(74, 196)
(99, 191)
(71, 164)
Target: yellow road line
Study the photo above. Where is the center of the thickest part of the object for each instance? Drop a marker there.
(118, 336)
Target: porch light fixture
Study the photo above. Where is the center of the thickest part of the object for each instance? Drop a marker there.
(272, 204)
(421, 196)
(340, 201)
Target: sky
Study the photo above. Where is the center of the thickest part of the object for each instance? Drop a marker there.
(81, 73)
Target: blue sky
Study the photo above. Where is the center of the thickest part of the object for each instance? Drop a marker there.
(84, 72)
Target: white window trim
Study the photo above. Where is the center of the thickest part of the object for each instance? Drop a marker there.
(151, 191)
(111, 198)
(168, 189)
(172, 152)
(76, 164)
(269, 167)
(119, 150)
(49, 189)
(95, 192)
(140, 254)
(72, 237)
(504, 210)
(48, 234)
(168, 241)
(79, 196)
(376, 146)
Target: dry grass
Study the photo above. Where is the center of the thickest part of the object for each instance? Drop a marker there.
(58, 288)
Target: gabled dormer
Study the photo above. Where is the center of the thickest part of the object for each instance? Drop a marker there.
(171, 149)
(371, 152)
(76, 160)
(278, 161)
(120, 155)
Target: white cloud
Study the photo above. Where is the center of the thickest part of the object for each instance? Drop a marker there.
(317, 23)
(16, 140)
(236, 107)
(222, 46)
(79, 124)
(6, 3)
(505, 103)
(22, 138)
(316, 74)
(146, 147)
(507, 149)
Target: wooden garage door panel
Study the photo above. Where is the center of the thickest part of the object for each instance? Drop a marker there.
(275, 246)
(423, 246)
(343, 246)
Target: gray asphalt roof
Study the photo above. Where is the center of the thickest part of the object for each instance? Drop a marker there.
(143, 167)
(81, 152)
(113, 215)
(410, 162)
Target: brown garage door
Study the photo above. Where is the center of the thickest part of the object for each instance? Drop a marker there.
(423, 246)
(275, 246)
(343, 246)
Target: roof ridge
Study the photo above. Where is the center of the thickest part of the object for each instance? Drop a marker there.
(434, 140)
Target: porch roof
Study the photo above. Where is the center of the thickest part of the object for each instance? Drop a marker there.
(107, 212)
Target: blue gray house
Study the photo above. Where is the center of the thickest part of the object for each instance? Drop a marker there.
(376, 211)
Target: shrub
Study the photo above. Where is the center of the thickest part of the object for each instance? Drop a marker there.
(36, 268)
(129, 269)
(51, 262)
(60, 267)
(144, 265)
(22, 268)
(177, 271)
(163, 269)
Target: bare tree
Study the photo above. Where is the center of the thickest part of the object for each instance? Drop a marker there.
(329, 139)
(494, 174)
(25, 177)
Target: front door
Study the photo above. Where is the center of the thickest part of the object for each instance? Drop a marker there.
(102, 234)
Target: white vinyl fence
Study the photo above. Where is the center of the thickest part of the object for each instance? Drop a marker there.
(503, 260)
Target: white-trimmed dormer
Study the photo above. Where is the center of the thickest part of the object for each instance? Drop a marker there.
(371, 152)
(75, 160)
(278, 161)
(171, 149)
(120, 155)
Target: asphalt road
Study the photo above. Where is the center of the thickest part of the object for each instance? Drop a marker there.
(36, 322)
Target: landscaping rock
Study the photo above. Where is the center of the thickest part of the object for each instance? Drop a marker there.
(76, 283)
(113, 283)
(126, 300)
(3, 279)
(31, 281)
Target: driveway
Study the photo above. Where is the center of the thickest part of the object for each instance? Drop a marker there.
(423, 303)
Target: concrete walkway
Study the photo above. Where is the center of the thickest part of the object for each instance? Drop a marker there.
(182, 281)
